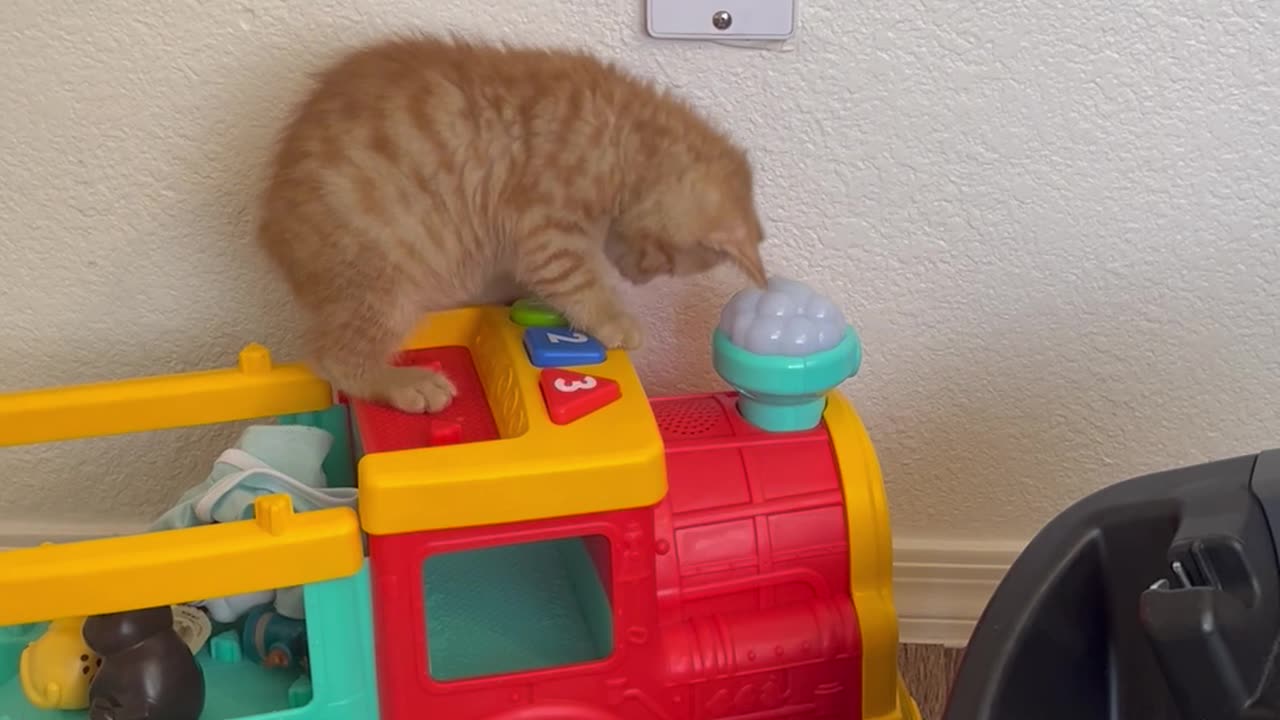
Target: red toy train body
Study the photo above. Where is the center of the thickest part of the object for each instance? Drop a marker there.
(730, 597)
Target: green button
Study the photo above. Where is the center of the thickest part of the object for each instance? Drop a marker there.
(533, 313)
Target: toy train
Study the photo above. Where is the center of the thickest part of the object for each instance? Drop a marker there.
(554, 545)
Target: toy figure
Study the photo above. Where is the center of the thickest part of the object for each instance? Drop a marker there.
(147, 673)
(56, 669)
(274, 640)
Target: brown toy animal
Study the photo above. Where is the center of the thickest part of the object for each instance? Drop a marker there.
(148, 672)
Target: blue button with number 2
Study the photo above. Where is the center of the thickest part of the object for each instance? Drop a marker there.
(561, 347)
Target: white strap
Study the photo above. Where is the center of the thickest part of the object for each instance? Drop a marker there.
(250, 465)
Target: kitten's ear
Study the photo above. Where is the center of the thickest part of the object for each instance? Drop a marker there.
(744, 253)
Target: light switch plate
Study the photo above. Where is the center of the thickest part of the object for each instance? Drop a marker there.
(722, 19)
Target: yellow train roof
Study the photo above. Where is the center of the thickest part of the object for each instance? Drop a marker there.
(609, 459)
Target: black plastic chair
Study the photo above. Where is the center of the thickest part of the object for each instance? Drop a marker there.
(1157, 598)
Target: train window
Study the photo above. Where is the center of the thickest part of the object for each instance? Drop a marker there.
(518, 608)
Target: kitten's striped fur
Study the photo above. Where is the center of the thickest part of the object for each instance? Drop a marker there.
(423, 174)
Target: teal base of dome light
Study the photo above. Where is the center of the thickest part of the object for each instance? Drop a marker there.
(788, 413)
(782, 393)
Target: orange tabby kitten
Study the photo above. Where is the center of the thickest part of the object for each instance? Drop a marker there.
(424, 174)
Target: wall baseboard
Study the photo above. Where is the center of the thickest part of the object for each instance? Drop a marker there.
(28, 534)
(940, 586)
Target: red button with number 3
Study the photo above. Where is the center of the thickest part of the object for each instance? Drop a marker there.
(571, 395)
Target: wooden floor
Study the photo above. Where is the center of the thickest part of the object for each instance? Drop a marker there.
(927, 670)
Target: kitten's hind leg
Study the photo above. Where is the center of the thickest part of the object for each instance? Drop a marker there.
(560, 269)
(352, 348)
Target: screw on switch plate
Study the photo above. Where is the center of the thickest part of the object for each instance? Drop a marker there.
(722, 20)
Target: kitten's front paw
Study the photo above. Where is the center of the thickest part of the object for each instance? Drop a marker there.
(620, 331)
(415, 390)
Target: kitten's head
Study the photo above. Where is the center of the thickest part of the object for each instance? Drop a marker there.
(698, 214)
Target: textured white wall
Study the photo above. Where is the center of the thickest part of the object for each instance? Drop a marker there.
(1055, 223)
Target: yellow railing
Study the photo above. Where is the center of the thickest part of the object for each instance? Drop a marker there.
(278, 548)
(255, 388)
